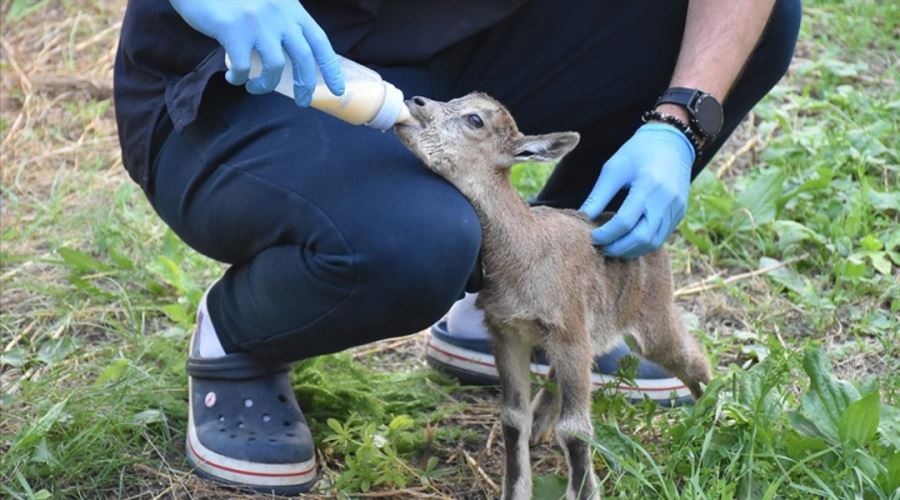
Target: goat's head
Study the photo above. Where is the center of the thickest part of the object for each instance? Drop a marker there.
(475, 135)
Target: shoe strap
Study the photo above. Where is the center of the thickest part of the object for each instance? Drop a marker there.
(235, 366)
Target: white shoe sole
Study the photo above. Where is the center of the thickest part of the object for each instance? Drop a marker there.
(663, 389)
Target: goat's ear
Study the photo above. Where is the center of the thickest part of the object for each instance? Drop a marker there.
(548, 148)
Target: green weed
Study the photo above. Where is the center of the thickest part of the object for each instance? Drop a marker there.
(748, 438)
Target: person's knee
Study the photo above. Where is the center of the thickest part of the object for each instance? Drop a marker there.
(423, 268)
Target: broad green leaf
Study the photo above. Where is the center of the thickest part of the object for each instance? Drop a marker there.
(18, 9)
(852, 268)
(804, 426)
(871, 243)
(88, 287)
(859, 422)
(113, 371)
(799, 445)
(889, 427)
(787, 277)
(815, 184)
(173, 248)
(700, 241)
(842, 69)
(757, 393)
(15, 357)
(760, 198)
(148, 417)
(79, 260)
(792, 232)
(895, 257)
(828, 397)
(880, 262)
(42, 453)
(121, 261)
(178, 313)
(784, 276)
(724, 205)
(892, 240)
(548, 487)
(890, 481)
(168, 271)
(56, 350)
(885, 202)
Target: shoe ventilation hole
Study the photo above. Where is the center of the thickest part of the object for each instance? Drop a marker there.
(240, 425)
(266, 417)
(290, 434)
(282, 398)
(273, 440)
(248, 403)
(287, 424)
(222, 429)
(251, 439)
(233, 436)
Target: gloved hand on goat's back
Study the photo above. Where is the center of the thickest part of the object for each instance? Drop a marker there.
(655, 165)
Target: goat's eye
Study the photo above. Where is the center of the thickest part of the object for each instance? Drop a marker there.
(474, 120)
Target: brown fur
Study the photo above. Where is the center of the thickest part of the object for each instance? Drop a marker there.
(546, 284)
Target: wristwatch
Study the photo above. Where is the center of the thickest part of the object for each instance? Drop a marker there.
(704, 110)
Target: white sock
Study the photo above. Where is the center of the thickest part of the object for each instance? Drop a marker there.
(208, 341)
(465, 320)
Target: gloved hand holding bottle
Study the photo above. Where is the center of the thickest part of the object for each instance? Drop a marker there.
(655, 166)
(273, 29)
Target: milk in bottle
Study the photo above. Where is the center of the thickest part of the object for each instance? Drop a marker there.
(367, 99)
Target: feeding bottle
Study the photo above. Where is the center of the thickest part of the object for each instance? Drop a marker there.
(367, 99)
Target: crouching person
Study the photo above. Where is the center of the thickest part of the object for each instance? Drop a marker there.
(337, 236)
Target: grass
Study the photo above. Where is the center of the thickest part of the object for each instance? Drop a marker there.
(98, 297)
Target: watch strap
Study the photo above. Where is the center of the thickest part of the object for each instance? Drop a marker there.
(690, 100)
(679, 95)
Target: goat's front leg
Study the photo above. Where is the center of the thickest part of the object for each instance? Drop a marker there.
(571, 355)
(513, 356)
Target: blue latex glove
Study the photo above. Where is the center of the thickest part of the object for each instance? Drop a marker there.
(655, 166)
(272, 28)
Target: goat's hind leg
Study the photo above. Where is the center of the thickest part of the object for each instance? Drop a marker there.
(571, 356)
(513, 357)
(664, 340)
(545, 409)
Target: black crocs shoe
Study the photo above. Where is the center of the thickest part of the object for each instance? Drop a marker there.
(245, 428)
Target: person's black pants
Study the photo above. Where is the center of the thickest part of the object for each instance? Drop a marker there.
(337, 236)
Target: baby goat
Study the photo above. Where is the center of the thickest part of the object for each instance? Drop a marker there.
(546, 284)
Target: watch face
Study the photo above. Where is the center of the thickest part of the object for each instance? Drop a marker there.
(709, 117)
